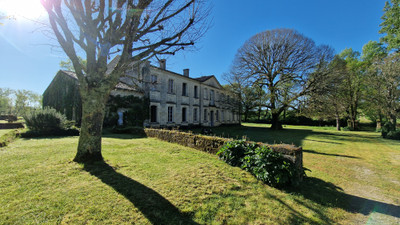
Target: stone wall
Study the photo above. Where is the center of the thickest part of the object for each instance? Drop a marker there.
(212, 144)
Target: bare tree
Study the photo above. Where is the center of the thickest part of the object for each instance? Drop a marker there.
(286, 64)
(136, 30)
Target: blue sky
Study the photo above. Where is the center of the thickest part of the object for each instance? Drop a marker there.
(29, 61)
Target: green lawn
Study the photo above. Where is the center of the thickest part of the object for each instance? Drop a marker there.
(355, 178)
(4, 131)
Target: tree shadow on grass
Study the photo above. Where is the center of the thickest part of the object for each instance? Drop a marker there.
(328, 194)
(288, 135)
(326, 142)
(122, 136)
(154, 207)
(262, 134)
(328, 154)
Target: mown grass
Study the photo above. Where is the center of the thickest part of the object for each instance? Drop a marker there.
(4, 131)
(364, 166)
(147, 181)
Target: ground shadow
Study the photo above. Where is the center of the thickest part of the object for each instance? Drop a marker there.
(263, 134)
(328, 194)
(154, 207)
(327, 142)
(287, 135)
(327, 154)
(122, 136)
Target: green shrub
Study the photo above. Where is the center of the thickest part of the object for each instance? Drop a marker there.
(387, 127)
(48, 122)
(45, 120)
(261, 161)
(394, 134)
(233, 152)
(269, 166)
(55, 133)
(347, 128)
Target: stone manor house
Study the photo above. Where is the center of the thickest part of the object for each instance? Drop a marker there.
(174, 99)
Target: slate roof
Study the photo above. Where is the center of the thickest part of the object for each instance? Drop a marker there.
(70, 73)
(203, 78)
(124, 86)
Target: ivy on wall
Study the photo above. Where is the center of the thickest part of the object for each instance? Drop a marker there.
(137, 110)
(63, 95)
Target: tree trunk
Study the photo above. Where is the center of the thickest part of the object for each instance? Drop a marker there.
(93, 110)
(352, 123)
(337, 122)
(246, 113)
(393, 120)
(275, 124)
(379, 122)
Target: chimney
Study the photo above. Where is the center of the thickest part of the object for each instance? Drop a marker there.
(186, 72)
(163, 64)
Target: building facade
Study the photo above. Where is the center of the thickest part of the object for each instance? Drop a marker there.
(177, 99)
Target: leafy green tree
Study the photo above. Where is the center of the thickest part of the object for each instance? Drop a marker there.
(329, 102)
(354, 82)
(391, 24)
(373, 52)
(136, 30)
(5, 101)
(25, 101)
(250, 97)
(387, 73)
(67, 65)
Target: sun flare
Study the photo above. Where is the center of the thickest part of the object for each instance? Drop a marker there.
(22, 9)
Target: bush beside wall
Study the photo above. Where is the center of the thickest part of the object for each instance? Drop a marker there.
(213, 144)
(264, 163)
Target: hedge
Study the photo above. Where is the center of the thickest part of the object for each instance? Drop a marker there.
(212, 144)
(9, 137)
(54, 133)
(11, 125)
